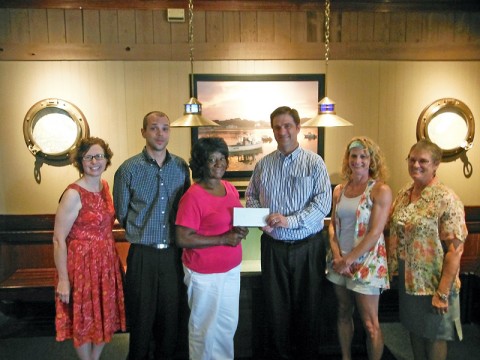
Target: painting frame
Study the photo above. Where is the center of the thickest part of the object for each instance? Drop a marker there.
(204, 81)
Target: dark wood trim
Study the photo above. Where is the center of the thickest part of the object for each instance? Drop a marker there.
(242, 51)
(251, 5)
(37, 229)
(27, 272)
(472, 217)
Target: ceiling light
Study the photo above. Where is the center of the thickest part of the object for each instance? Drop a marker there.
(326, 117)
(192, 115)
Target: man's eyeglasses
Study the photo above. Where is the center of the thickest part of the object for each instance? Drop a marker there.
(96, 157)
(422, 162)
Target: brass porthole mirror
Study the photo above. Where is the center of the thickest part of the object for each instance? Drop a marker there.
(52, 128)
(449, 123)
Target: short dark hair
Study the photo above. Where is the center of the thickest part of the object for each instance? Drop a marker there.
(285, 110)
(158, 113)
(200, 153)
(82, 148)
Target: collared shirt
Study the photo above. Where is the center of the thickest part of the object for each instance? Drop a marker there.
(417, 234)
(146, 197)
(296, 186)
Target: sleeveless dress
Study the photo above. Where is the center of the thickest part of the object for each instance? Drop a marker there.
(96, 309)
(371, 268)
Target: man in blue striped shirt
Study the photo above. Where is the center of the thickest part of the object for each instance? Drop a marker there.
(294, 184)
(147, 189)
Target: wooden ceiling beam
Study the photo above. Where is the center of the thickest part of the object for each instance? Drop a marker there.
(253, 5)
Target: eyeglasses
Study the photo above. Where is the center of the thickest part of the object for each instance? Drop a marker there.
(421, 162)
(96, 157)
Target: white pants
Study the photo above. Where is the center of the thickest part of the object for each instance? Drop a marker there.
(214, 302)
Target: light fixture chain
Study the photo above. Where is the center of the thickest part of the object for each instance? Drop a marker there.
(192, 115)
(190, 42)
(327, 30)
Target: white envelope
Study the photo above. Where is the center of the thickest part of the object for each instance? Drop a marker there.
(250, 217)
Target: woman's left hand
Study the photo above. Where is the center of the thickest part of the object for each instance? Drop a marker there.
(342, 267)
(451, 265)
(439, 306)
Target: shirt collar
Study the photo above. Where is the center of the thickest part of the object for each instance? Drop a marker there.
(151, 160)
(292, 156)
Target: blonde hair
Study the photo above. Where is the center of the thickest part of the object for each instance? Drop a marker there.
(377, 170)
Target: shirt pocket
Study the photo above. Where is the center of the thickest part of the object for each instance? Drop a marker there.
(301, 182)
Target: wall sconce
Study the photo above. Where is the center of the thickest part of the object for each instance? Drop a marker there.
(52, 128)
(448, 123)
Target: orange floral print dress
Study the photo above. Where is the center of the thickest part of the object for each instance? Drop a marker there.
(96, 309)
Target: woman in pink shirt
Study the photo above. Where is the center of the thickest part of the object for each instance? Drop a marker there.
(212, 252)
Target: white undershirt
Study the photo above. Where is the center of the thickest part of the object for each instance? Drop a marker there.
(346, 212)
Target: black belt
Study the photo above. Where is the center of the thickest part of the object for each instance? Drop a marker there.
(291, 242)
(155, 246)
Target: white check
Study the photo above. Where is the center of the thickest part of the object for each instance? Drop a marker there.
(250, 217)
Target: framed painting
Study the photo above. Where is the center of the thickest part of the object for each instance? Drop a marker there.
(242, 104)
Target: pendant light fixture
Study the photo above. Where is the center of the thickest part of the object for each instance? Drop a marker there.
(192, 115)
(326, 117)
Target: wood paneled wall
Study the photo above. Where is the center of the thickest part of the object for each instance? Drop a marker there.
(146, 34)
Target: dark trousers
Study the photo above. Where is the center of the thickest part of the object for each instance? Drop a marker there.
(152, 299)
(292, 276)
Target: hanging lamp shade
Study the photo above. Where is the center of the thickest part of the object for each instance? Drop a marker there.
(192, 116)
(326, 117)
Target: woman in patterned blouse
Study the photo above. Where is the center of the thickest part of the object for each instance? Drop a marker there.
(427, 233)
(357, 263)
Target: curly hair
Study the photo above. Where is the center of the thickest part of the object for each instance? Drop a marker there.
(378, 168)
(434, 150)
(200, 153)
(82, 148)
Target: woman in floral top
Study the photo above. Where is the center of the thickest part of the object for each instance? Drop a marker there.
(357, 263)
(427, 233)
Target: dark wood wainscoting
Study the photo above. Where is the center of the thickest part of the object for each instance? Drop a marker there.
(27, 271)
(27, 268)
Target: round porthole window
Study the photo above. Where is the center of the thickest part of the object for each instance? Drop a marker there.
(52, 128)
(449, 123)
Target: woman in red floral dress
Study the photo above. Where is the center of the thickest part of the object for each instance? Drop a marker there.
(89, 291)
